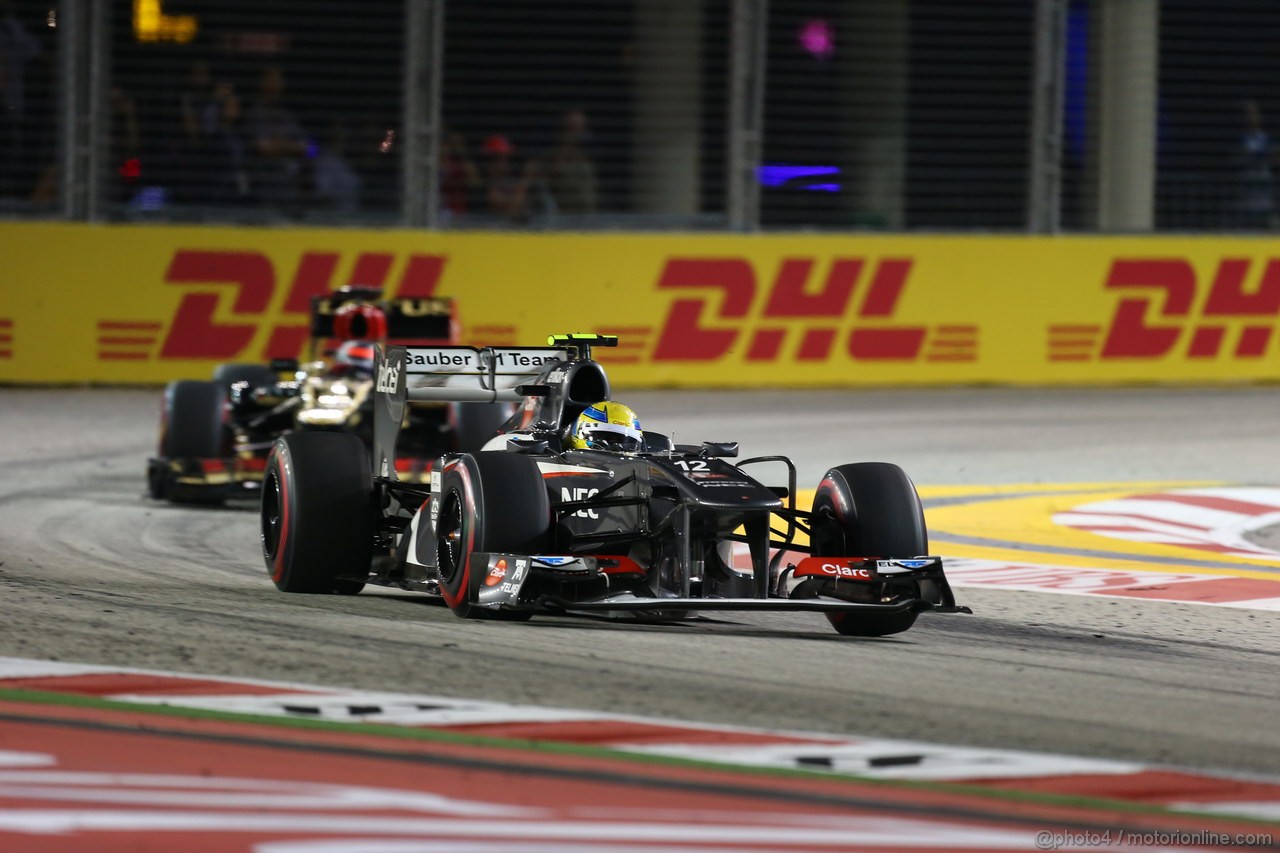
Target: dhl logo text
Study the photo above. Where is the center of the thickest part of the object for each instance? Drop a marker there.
(849, 311)
(230, 292)
(1164, 310)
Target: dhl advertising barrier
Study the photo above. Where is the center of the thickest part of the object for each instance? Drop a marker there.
(145, 304)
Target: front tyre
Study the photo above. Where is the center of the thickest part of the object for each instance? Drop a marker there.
(317, 513)
(489, 502)
(869, 509)
(256, 375)
(192, 426)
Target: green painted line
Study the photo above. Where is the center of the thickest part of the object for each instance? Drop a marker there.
(426, 735)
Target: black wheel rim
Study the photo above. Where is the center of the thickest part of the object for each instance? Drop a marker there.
(449, 544)
(826, 536)
(271, 515)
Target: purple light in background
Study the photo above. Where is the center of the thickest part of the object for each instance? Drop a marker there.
(818, 37)
(149, 198)
(777, 174)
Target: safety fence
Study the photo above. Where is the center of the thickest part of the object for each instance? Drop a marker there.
(848, 115)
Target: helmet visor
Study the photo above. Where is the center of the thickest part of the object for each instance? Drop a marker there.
(616, 437)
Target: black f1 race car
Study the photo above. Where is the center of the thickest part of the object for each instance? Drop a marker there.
(215, 435)
(533, 525)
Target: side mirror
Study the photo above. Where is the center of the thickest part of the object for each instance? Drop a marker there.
(656, 442)
(720, 449)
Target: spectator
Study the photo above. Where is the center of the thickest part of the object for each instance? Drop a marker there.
(1255, 189)
(178, 154)
(337, 186)
(278, 145)
(224, 150)
(375, 156)
(17, 48)
(506, 193)
(197, 103)
(126, 144)
(569, 172)
(459, 177)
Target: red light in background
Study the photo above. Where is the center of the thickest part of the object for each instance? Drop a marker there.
(131, 169)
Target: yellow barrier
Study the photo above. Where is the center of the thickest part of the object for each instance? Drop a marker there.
(144, 304)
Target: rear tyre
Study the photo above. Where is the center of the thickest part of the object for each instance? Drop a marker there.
(476, 423)
(317, 513)
(257, 375)
(489, 502)
(192, 427)
(869, 509)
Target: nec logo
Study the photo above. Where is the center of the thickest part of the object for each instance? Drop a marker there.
(580, 494)
(1164, 310)
(230, 293)
(848, 312)
(388, 378)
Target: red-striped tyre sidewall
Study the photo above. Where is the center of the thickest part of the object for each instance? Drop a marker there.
(458, 488)
(505, 509)
(319, 489)
(273, 487)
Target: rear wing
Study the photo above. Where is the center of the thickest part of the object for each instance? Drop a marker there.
(409, 318)
(460, 374)
(455, 374)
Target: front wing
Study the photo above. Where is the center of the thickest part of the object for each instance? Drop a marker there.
(216, 477)
(519, 582)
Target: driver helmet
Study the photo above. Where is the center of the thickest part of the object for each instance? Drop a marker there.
(353, 358)
(607, 425)
(360, 321)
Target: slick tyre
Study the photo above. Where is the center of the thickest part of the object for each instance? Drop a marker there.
(489, 502)
(869, 509)
(257, 375)
(317, 513)
(193, 420)
(476, 423)
(193, 427)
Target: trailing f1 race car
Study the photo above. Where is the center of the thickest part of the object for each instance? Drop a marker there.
(215, 435)
(573, 508)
